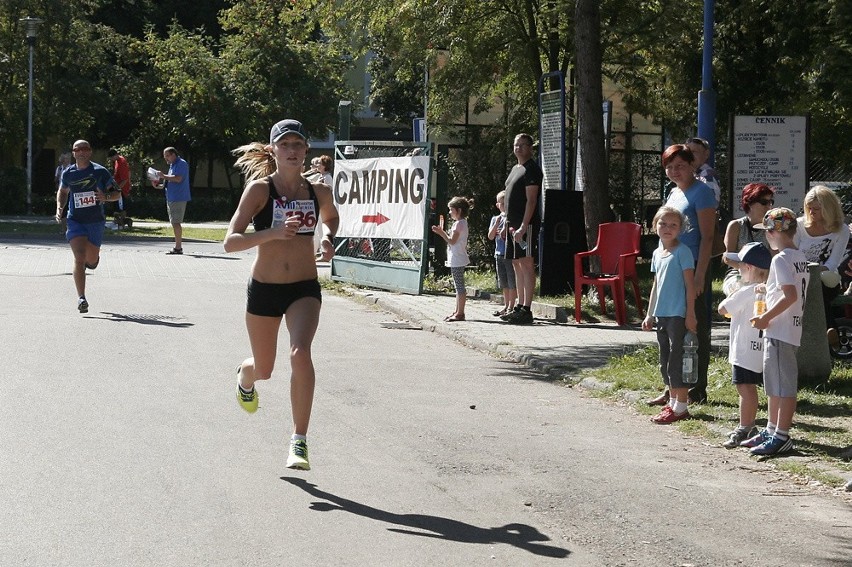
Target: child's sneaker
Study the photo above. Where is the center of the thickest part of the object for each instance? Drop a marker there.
(756, 440)
(669, 416)
(298, 457)
(82, 305)
(738, 435)
(773, 446)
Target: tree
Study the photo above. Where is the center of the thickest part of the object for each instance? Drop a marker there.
(277, 64)
(67, 54)
(771, 57)
(590, 116)
(197, 82)
(496, 51)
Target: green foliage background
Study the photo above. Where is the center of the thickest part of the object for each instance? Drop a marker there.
(209, 75)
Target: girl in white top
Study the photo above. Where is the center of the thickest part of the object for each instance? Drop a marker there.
(457, 257)
(822, 237)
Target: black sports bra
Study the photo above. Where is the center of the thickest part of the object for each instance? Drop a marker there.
(277, 209)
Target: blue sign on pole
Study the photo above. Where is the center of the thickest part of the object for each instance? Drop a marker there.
(419, 128)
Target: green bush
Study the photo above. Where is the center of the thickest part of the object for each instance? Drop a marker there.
(206, 205)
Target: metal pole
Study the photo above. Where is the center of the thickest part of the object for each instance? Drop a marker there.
(707, 96)
(31, 42)
(344, 119)
(31, 26)
(426, 101)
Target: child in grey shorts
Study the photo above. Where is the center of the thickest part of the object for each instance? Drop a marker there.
(505, 270)
(782, 326)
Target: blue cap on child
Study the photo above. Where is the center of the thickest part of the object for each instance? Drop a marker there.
(753, 253)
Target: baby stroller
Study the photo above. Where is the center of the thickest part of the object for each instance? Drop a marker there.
(842, 306)
(121, 219)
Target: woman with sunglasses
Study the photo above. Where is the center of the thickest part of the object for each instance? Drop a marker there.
(756, 200)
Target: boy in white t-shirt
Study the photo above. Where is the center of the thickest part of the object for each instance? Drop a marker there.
(782, 322)
(745, 352)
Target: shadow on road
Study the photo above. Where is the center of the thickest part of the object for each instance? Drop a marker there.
(143, 319)
(211, 256)
(518, 535)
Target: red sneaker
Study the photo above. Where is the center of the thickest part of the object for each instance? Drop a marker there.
(669, 416)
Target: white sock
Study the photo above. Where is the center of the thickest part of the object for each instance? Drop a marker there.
(680, 407)
(770, 428)
(296, 437)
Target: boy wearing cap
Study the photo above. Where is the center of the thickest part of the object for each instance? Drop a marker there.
(782, 321)
(745, 352)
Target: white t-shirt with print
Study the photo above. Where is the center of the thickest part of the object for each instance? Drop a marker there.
(789, 267)
(827, 250)
(746, 345)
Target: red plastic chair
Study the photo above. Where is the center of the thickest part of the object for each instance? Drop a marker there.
(617, 249)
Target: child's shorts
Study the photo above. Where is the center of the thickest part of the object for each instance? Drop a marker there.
(780, 369)
(741, 375)
(505, 273)
(458, 280)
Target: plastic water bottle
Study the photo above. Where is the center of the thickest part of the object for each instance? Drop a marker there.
(759, 305)
(759, 302)
(522, 244)
(690, 358)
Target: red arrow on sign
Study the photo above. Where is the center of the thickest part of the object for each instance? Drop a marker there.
(378, 218)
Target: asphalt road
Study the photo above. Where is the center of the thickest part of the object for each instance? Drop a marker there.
(122, 443)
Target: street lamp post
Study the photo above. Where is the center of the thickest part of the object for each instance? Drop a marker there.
(31, 25)
(707, 96)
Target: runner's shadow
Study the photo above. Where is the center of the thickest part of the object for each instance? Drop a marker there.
(518, 535)
(143, 319)
(212, 256)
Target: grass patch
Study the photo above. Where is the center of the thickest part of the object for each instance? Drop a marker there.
(822, 428)
(42, 228)
(332, 286)
(814, 473)
(22, 228)
(189, 232)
